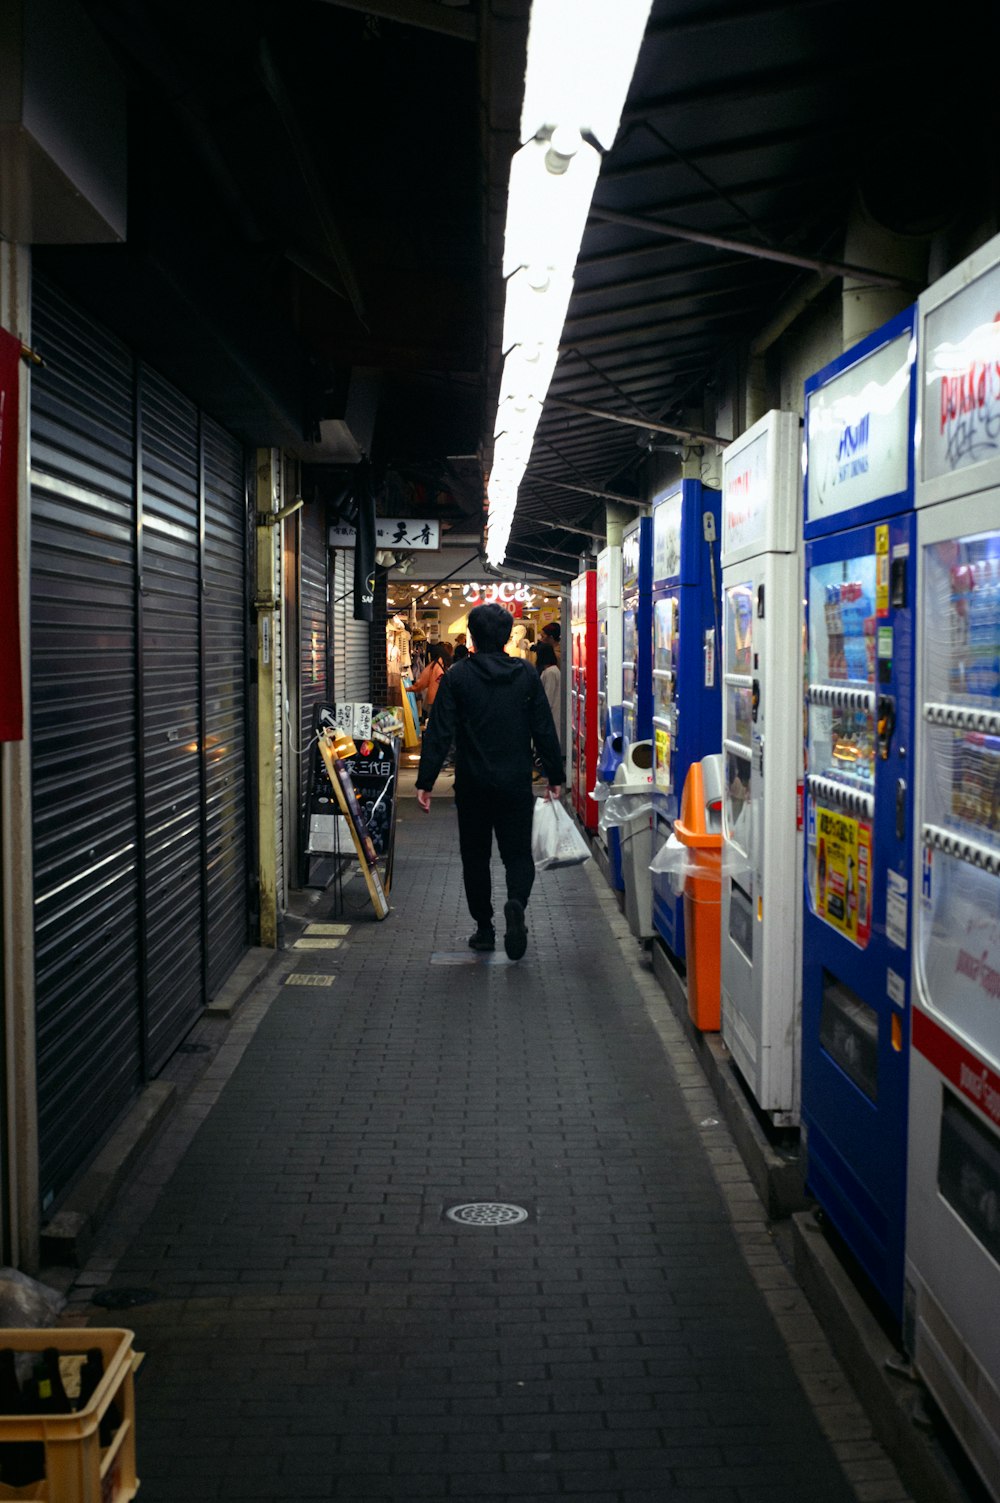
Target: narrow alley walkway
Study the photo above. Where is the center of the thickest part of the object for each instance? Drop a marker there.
(315, 1327)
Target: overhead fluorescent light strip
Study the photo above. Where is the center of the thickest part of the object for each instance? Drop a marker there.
(581, 58)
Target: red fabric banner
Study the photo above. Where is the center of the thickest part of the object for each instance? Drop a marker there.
(11, 710)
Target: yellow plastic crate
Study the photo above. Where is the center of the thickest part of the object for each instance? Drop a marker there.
(77, 1468)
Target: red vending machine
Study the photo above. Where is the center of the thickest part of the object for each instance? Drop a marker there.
(583, 699)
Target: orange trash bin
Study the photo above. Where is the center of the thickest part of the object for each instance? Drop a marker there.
(702, 900)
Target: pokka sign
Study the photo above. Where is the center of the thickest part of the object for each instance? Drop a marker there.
(961, 422)
(746, 489)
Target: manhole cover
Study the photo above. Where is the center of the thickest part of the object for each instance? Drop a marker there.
(487, 1213)
(123, 1299)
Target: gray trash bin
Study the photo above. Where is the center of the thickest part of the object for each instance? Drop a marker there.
(631, 808)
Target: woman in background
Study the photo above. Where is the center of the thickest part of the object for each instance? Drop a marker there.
(548, 671)
(427, 683)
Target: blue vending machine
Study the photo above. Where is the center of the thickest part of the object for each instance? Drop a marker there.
(687, 697)
(860, 583)
(637, 641)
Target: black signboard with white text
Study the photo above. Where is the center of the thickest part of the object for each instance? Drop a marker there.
(373, 771)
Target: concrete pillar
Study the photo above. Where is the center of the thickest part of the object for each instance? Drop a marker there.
(616, 519)
(870, 244)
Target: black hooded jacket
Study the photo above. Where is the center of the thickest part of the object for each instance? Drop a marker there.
(493, 708)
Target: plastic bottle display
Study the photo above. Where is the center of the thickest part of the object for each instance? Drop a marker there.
(975, 785)
(852, 749)
(982, 677)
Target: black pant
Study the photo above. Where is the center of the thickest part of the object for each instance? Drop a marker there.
(481, 811)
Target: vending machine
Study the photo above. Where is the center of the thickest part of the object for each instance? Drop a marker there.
(609, 635)
(687, 668)
(609, 689)
(583, 695)
(860, 584)
(762, 759)
(952, 1289)
(637, 644)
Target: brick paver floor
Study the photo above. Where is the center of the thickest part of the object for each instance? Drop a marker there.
(315, 1327)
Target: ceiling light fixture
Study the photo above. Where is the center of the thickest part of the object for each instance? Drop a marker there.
(581, 58)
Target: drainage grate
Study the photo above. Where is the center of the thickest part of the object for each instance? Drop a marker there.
(318, 944)
(469, 957)
(110, 1298)
(308, 978)
(487, 1213)
(328, 929)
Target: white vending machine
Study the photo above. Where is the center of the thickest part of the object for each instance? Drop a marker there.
(952, 1280)
(762, 706)
(609, 637)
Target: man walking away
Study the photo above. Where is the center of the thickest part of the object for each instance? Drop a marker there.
(494, 709)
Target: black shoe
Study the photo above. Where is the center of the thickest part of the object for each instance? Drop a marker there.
(515, 940)
(484, 938)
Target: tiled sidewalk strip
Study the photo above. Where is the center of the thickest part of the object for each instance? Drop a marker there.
(319, 1329)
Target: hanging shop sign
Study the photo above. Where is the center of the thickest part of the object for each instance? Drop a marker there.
(497, 592)
(408, 534)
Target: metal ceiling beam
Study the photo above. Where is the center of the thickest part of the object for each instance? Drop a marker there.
(543, 548)
(583, 532)
(759, 252)
(586, 490)
(425, 14)
(648, 425)
(543, 568)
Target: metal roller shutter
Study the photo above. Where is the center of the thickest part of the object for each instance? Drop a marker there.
(84, 736)
(139, 703)
(313, 634)
(351, 668)
(225, 701)
(171, 718)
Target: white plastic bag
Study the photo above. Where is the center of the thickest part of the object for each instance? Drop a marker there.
(555, 839)
(622, 808)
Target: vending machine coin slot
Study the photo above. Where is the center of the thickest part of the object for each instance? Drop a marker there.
(900, 808)
(886, 725)
(897, 583)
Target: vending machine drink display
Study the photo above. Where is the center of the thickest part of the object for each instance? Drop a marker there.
(609, 635)
(609, 686)
(860, 581)
(687, 669)
(583, 695)
(637, 605)
(952, 1293)
(762, 759)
